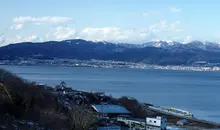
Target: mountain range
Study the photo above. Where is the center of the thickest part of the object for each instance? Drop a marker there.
(154, 52)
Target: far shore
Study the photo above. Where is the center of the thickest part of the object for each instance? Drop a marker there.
(146, 67)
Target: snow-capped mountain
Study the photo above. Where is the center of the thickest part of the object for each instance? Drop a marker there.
(191, 45)
(158, 44)
(154, 52)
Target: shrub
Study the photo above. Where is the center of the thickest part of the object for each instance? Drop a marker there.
(133, 106)
(81, 118)
(24, 96)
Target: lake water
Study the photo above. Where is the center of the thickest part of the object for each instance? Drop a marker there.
(197, 92)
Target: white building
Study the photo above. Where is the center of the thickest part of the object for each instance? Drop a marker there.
(157, 122)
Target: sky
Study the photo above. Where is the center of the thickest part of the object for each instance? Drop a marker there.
(133, 21)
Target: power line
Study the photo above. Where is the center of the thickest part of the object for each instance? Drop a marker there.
(1, 42)
(5, 31)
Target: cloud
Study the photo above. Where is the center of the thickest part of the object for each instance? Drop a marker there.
(158, 27)
(16, 26)
(118, 34)
(175, 10)
(164, 26)
(188, 39)
(48, 19)
(30, 38)
(152, 32)
(163, 30)
(61, 33)
(115, 34)
(161, 11)
(18, 39)
(106, 33)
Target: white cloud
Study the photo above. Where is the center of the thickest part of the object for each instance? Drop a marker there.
(30, 38)
(106, 33)
(155, 31)
(16, 26)
(161, 11)
(164, 26)
(18, 39)
(188, 39)
(115, 34)
(48, 19)
(61, 33)
(162, 30)
(175, 10)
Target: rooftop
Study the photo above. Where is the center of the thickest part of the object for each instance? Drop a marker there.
(110, 109)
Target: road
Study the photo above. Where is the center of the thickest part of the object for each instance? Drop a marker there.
(191, 119)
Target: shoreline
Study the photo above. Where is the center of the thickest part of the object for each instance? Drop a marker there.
(201, 123)
(147, 67)
(93, 63)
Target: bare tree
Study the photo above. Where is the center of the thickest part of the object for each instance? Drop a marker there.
(63, 84)
(81, 119)
(133, 106)
(6, 90)
(3, 74)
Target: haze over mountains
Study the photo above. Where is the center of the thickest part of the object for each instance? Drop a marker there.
(154, 52)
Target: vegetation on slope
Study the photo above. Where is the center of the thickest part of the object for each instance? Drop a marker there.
(22, 103)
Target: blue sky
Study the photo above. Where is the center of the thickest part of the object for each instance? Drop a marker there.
(131, 21)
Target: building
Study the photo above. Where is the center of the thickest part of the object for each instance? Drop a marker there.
(109, 128)
(111, 110)
(157, 123)
(131, 122)
(63, 89)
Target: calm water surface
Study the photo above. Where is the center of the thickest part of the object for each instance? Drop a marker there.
(197, 92)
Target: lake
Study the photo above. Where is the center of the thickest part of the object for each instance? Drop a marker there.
(197, 92)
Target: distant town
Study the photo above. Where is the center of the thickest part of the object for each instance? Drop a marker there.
(104, 64)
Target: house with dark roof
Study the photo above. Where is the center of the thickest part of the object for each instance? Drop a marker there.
(111, 110)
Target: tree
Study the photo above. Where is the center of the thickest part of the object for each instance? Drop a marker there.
(63, 84)
(3, 74)
(81, 118)
(133, 106)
